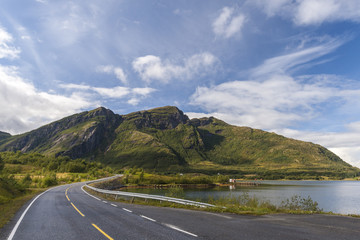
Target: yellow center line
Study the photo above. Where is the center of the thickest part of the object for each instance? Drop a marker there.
(67, 194)
(77, 209)
(110, 238)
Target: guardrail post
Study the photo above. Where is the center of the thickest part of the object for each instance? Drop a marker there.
(132, 199)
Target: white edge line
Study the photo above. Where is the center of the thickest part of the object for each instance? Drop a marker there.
(23, 215)
(180, 230)
(113, 205)
(82, 188)
(127, 210)
(153, 220)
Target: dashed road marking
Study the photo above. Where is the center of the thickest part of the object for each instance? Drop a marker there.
(113, 205)
(180, 230)
(150, 219)
(127, 210)
(104, 201)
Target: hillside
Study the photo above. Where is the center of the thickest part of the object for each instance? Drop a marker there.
(165, 139)
(4, 135)
(78, 136)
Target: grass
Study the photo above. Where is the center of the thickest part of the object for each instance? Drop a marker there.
(8, 209)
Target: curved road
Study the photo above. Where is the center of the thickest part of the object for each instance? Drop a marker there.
(67, 212)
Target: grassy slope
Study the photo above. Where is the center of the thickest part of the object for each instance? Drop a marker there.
(221, 147)
(230, 145)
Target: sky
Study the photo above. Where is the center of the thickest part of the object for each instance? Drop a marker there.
(284, 66)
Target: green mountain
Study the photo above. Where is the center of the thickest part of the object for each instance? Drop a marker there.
(4, 135)
(165, 139)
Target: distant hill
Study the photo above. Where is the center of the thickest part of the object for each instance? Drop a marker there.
(4, 135)
(165, 139)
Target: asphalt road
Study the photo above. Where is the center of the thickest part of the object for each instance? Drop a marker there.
(67, 212)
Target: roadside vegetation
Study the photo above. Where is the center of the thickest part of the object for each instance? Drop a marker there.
(246, 204)
(24, 175)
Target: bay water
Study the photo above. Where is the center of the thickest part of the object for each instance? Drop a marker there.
(332, 196)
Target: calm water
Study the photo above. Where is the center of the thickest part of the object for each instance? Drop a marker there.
(336, 196)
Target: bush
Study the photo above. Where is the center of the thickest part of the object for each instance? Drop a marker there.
(303, 204)
(26, 181)
(49, 180)
(75, 167)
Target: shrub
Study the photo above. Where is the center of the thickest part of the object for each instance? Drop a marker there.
(298, 203)
(49, 180)
(26, 181)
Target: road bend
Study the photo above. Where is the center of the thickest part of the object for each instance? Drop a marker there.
(67, 212)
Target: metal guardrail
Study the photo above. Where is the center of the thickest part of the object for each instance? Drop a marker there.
(149, 196)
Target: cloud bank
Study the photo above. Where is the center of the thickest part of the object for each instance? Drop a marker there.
(23, 107)
(135, 95)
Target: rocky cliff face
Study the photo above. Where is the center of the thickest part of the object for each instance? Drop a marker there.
(76, 136)
(160, 118)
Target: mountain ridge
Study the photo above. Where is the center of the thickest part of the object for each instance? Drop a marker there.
(165, 138)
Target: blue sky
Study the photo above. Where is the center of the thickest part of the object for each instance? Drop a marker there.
(285, 66)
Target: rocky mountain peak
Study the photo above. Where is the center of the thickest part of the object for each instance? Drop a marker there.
(168, 117)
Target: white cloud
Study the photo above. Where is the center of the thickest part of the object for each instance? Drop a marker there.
(227, 24)
(311, 12)
(281, 64)
(117, 71)
(319, 11)
(23, 107)
(143, 91)
(151, 67)
(135, 95)
(133, 101)
(276, 102)
(6, 50)
(116, 92)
